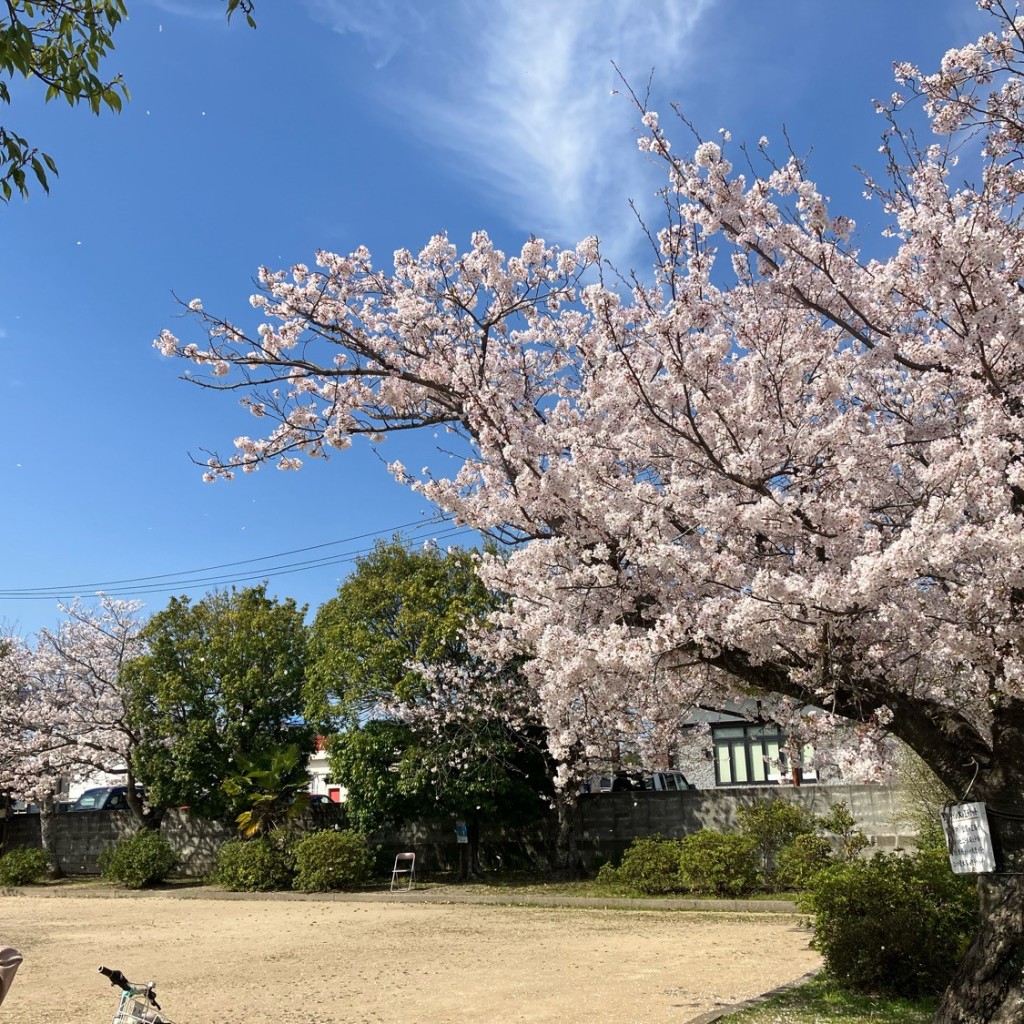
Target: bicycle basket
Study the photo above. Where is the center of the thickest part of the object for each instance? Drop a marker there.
(137, 1011)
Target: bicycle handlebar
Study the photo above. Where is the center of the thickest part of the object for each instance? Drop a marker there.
(117, 978)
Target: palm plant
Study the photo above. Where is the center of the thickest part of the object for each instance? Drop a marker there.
(268, 789)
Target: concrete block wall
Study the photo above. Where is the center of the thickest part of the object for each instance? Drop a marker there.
(80, 837)
(606, 824)
(527, 848)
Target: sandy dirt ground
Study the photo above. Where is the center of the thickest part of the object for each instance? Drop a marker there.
(266, 961)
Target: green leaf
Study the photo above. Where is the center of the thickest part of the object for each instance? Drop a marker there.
(62, 44)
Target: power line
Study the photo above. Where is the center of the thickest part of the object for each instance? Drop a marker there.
(191, 579)
(187, 584)
(265, 573)
(65, 587)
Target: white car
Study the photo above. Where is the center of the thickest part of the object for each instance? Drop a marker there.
(668, 781)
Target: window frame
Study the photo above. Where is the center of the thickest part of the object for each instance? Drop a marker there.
(748, 749)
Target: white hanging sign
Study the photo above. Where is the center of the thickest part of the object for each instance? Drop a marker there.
(968, 839)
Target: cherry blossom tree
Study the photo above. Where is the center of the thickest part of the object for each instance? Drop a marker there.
(64, 705)
(778, 465)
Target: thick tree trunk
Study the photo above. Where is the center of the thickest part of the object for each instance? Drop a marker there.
(48, 834)
(988, 988)
(568, 862)
(153, 818)
(145, 818)
(989, 984)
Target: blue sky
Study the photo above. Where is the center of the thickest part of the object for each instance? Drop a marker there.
(338, 123)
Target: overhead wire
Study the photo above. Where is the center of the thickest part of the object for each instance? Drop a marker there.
(227, 565)
(184, 585)
(192, 579)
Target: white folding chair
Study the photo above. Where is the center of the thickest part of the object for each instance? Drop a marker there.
(405, 864)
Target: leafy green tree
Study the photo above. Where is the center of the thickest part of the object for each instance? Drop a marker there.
(60, 44)
(222, 681)
(374, 763)
(425, 728)
(922, 795)
(399, 611)
(771, 825)
(841, 823)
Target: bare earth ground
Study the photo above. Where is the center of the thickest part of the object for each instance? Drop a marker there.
(266, 961)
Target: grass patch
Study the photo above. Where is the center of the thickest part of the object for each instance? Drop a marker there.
(530, 884)
(821, 1001)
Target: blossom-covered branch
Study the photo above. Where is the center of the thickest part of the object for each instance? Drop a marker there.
(777, 465)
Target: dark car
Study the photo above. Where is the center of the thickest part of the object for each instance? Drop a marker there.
(105, 798)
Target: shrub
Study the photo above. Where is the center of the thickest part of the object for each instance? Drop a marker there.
(651, 865)
(23, 866)
(144, 858)
(253, 865)
(892, 925)
(329, 860)
(607, 875)
(841, 823)
(770, 825)
(921, 799)
(718, 864)
(801, 860)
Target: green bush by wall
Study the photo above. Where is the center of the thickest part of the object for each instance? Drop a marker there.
(253, 865)
(142, 859)
(23, 866)
(895, 925)
(331, 860)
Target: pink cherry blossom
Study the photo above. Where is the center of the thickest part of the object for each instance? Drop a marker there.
(777, 465)
(63, 702)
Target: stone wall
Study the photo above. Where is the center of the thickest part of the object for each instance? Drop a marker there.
(436, 847)
(607, 824)
(82, 835)
(610, 821)
(79, 837)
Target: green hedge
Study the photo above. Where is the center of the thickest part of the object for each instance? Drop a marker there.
(254, 865)
(23, 866)
(778, 846)
(142, 859)
(798, 863)
(719, 863)
(330, 860)
(895, 925)
(650, 866)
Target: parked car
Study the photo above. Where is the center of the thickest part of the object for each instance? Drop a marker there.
(105, 798)
(20, 807)
(660, 782)
(668, 781)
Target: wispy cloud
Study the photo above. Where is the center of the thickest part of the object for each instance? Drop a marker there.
(519, 91)
(198, 10)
